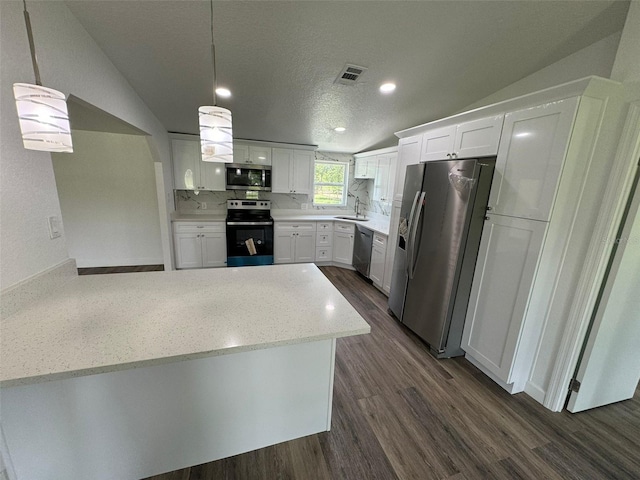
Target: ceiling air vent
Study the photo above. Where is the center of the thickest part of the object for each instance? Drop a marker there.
(350, 74)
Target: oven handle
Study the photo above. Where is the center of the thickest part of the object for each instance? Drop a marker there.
(249, 223)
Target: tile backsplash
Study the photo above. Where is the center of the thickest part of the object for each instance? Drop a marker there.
(188, 201)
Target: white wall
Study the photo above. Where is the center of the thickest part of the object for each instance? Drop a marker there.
(596, 59)
(626, 68)
(107, 194)
(71, 62)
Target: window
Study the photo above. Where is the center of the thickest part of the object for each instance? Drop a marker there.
(330, 182)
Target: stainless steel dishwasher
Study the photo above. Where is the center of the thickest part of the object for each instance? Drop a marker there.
(362, 250)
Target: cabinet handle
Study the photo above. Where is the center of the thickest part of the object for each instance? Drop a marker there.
(489, 209)
(448, 155)
(454, 155)
(487, 217)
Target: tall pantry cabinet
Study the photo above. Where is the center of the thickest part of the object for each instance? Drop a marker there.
(549, 180)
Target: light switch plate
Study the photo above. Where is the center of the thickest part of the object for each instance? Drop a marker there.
(203, 205)
(54, 227)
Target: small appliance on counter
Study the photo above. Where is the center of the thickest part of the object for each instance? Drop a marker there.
(249, 233)
(248, 177)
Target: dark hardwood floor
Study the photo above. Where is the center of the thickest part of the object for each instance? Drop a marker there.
(126, 269)
(399, 413)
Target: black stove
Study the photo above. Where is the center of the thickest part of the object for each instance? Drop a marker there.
(249, 233)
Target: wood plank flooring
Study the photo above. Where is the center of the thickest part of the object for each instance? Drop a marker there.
(400, 414)
(125, 269)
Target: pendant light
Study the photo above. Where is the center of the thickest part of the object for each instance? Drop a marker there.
(216, 137)
(42, 111)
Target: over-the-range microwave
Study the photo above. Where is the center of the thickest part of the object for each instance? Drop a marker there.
(248, 177)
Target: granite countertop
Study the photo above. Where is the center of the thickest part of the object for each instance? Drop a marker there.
(101, 323)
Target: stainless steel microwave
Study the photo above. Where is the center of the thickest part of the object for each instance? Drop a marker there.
(248, 177)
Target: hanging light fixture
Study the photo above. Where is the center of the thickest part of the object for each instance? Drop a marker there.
(216, 136)
(42, 111)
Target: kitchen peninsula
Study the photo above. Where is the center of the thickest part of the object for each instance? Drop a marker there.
(130, 375)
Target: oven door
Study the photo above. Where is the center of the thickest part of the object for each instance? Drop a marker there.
(249, 243)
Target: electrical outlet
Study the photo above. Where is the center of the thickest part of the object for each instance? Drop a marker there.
(54, 227)
(203, 205)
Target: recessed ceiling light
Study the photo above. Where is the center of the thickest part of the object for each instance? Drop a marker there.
(223, 92)
(387, 87)
(339, 129)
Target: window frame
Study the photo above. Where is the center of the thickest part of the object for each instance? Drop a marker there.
(345, 184)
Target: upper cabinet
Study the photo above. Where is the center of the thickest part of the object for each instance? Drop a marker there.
(477, 138)
(384, 180)
(292, 171)
(409, 150)
(251, 154)
(530, 158)
(366, 168)
(189, 171)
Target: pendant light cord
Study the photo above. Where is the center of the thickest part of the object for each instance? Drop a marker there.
(32, 47)
(213, 59)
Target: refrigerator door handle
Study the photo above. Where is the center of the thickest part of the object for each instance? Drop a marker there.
(411, 264)
(409, 224)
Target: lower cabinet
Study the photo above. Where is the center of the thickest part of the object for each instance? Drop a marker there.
(200, 244)
(294, 242)
(324, 242)
(505, 270)
(343, 236)
(378, 257)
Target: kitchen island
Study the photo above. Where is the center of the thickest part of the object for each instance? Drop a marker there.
(130, 375)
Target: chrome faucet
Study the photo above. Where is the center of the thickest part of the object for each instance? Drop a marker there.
(357, 206)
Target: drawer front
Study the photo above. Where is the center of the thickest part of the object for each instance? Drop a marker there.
(325, 226)
(324, 254)
(380, 240)
(324, 239)
(199, 227)
(296, 226)
(344, 227)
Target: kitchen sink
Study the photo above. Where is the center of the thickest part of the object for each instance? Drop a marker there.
(352, 217)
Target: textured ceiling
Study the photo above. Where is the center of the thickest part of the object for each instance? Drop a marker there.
(280, 59)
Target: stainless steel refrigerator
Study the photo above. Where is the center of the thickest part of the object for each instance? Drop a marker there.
(444, 204)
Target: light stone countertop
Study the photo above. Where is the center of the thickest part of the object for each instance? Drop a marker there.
(198, 217)
(100, 323)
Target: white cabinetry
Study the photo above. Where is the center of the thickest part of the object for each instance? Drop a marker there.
(324, 241)
(251, 154)
(409, 150)
(200, 244)
(530, 159)
(365, 168)
(292, 171)
(294, 242)
(343, 242)
(504, 275)
(378, 256)
(391, 246)
(385, 178)
(477, 138)
(189, 172)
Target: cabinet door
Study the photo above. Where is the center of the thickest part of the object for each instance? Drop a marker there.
(305, 250)
(343, 247)
(303, 163)
(372, 166)
(505, 270)
(188, 247)
(530, 158)
(409, 151)
(376, 270)
(212, 176)
(324, 239)
(214, 249)
(381, 181)
(283, 247)
(240, 153)
(392, 242)
(436, 144)
(282, 160)
(185, 155)
(361, 168)
(478, 138)
(260, 155)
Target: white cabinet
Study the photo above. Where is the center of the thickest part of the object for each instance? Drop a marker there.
(409, 150)
(343, 237)
(189, 172)
(391, 246)
(477, 138)
(200, 244)
(292, 171)
(532, 151)
(507, 262)
(251, 154)
(294, 242)
(384, 181)
(324, 241)
(378, 256)
(366, 167)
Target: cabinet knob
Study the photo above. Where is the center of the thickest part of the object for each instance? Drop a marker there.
(454, 155)
(489, 209)
(448, 155)
(487, 217)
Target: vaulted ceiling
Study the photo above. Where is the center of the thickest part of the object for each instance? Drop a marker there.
(280, 58)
